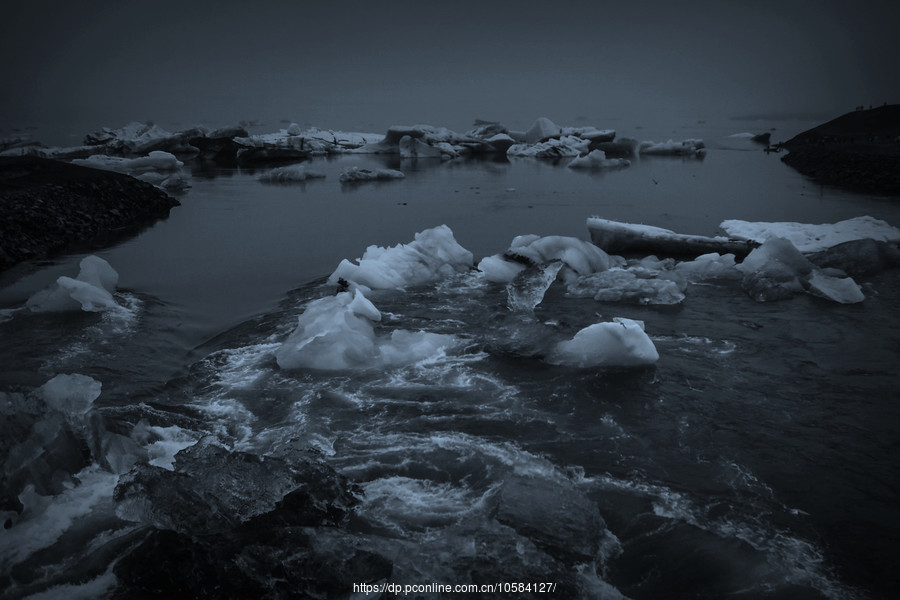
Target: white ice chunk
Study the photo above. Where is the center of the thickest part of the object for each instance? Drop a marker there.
(812, 238)
(337, 333)
(596, 159)
(355, 174)
(498, 269)
(837, 289)
(90, 291)
(433, 255)
(71, 394)
(582, 257)
(622, 343)
(156, 161)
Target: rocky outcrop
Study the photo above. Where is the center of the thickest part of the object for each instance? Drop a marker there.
(51, 207)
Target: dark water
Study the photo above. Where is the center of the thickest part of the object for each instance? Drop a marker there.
(757, 459)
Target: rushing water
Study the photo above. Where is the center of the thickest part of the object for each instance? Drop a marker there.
(757, 459)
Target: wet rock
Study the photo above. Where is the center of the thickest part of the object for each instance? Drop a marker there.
(555, 515)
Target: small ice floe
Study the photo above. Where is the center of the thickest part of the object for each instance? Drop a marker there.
(91, 291)
(812, 238)
(289, 174)
(620, 343)
(596, 159)
(434, 254)
(338, 333)
(688, 147)
(357, 175)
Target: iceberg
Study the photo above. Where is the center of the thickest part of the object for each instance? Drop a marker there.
(564, 147)
(357, 175)
(338, 333)
(777, 270)
(596, 159)
(688, 147)
(155, 161)
(158, 168)
(91, 291)
(813, 238)
(542, 130)
(289, 174)
(411, 147)
(621, 343)
(434, 254)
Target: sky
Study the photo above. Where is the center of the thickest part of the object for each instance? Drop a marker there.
(76, 66)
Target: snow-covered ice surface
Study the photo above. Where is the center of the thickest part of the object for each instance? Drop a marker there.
(811, 238)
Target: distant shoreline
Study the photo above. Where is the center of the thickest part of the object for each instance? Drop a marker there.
(858, 151)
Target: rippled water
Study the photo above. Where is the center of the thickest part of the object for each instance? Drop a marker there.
(757, 459)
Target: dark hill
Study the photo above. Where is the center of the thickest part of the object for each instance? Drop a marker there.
(859, 151)
(49, 207)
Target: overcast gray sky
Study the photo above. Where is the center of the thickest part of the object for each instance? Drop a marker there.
(367, 65)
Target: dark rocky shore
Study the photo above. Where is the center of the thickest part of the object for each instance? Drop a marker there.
(859, 151)
(50, 207)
